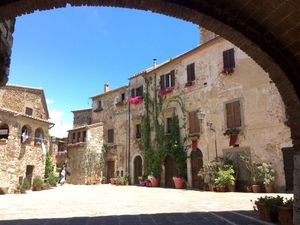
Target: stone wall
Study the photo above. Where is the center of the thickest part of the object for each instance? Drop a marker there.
(82, 117)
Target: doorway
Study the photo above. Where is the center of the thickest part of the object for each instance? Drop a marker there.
(138, 169)
(196, 165)
(110, 170)
(170, 171)
(29, 173)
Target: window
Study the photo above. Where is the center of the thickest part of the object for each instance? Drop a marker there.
(78, 136)
(73, 137)
(135, 92)
(84, 136)
(228, 59)
(138, 131)
(190, 70)
(167, 80)
(38, 136)
(28, 111)
(25, 134)
(4, 131)
(169, 125)
(194, 123)
(123, 97)
(233, 114)
(98, 106)
(110, 136)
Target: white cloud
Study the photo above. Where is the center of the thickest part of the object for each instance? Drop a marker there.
(49, 101)
(61, 127)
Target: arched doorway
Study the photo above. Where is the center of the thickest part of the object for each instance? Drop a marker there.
(196, 165)
(170, 171)
(138, 168)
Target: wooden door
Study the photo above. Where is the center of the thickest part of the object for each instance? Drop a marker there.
(196, 165)
(138, 169)
(288, 163)
(29, 173)
(170, 171)
(110, 170)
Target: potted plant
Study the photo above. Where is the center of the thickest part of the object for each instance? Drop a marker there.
(52, 179)
(267, 173)
(37, 183)
(25, 185)
(45, 186)
(267, 207)
(179, 182)
(113, 180)
(285, 212)
(225, 177)
(103, 180)
(209, 172)
(142, 180)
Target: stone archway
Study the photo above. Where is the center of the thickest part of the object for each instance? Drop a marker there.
(137, 168)
(268, 32)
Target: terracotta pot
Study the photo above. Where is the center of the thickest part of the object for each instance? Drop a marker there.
(256, 188)
(22, 191)
(231, 187)
(249, 188)
(269, 188)
(154, 182)
(266, 214)
(210, 187)
(178, 183)
(285, 215)
(37, 188)
(221, 188)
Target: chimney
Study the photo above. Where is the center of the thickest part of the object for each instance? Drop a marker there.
(106, 88)
(154, 63)
(206, 35)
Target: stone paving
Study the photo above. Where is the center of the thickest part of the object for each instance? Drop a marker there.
(127, 205)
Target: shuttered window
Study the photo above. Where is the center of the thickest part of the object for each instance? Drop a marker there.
(194, 122)
(233, 114)
(138, 131)
(28, 111)
(228, 59)
(110, 136)
(190, 69)
(84, 136)
(169, 125)
(136, 92)
(78, 136)
(167, 80)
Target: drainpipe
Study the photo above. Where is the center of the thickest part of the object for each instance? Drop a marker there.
(128, 153)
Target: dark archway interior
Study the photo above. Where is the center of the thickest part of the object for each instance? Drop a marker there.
(267, 30)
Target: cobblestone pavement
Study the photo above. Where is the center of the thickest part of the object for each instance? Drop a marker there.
(127, 205)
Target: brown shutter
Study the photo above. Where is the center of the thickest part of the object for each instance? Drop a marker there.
(229, 115)
(110, 136)
(191, 72)
(172, 74)
(188, 72)
(162, 83)
(237, 113)
(225, 60)
(228, 59)
(132, 92)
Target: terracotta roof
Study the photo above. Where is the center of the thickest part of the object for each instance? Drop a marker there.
(16, 114)
(38, 90)
(109, 92)
(87, 126)
(159, 66)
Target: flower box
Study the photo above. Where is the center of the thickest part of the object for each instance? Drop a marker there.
(227, 71)
(136, 100)
(189, 83)
(166, 91)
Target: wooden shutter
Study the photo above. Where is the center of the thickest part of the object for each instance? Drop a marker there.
(172, 74)
(194, 122)
(162, 82)
(167, 79)
(28, 111)
(110, 134)
(233, 114)
(228, 59)
(191, 72)
(237, 113)
(132, 92)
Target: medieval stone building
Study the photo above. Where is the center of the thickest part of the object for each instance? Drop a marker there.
(230, 106)
(23, 134)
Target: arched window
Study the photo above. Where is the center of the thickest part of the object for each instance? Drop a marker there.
(38, 136)
(25, 134)
(4, 131)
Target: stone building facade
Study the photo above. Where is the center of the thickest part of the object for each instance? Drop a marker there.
(24, 134)
(222, 89)
(58, 152)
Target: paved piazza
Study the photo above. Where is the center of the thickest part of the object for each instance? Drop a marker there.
(127, 205)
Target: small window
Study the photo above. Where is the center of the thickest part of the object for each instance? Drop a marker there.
(233, 114)
(61, 146)
(25, 134)
(169, 125)
(138, 131)
(139, 91)
(73, 137)
(132, 92)
(123, 97)
(38, 136)
(167, 80)
(84, 136)
(4, 131)
(110, 136)
(228, 59)
(194, 123)
(78, 136)
(190, 69)
(99, 104)
(28, 111)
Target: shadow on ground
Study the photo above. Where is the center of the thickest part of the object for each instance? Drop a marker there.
(193, 218)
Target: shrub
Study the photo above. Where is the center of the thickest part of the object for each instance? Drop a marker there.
(270, 201)
(52, 179)
(25, 184)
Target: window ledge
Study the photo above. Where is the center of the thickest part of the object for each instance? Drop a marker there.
(98, 110)
(227, 71)
(195, 134)
(121, 103)
(189, 83)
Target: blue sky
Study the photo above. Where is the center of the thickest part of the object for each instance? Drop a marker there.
(72, 52)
